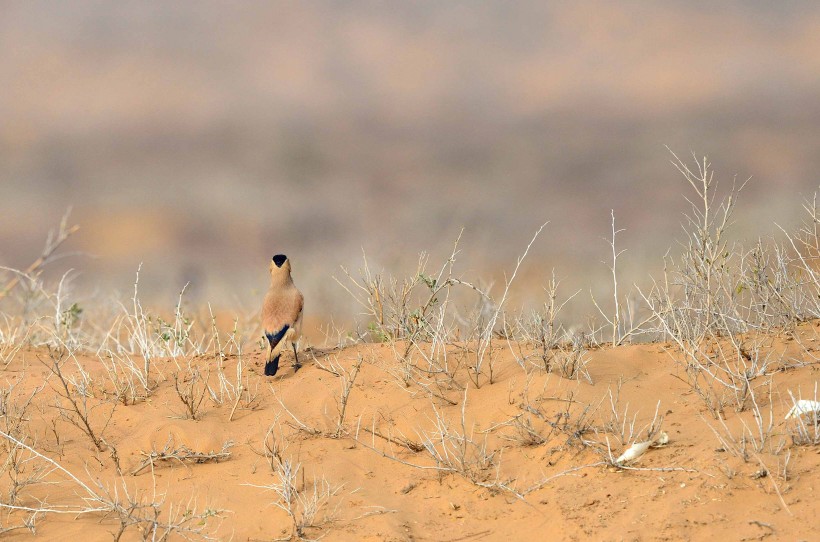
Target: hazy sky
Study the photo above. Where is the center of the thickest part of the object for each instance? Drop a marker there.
(200, 138)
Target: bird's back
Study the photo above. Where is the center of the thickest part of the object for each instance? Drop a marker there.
(282, 306)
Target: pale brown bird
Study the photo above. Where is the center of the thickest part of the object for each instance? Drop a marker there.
(281, 313)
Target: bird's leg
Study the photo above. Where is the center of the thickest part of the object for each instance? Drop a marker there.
(296, 365)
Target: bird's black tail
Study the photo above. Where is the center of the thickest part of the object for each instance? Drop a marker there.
(272, 366)
(273, 339)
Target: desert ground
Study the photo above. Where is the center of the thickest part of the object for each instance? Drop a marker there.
(343, 449)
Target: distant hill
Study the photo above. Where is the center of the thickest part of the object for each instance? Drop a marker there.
(200, 138)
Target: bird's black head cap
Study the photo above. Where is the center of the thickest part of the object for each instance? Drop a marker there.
(279, 259)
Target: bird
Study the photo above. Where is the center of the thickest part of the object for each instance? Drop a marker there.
(281, 313)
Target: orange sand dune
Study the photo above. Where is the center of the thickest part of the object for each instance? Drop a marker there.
(556, 483)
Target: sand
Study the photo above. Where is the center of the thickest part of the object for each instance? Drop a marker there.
(496, 481)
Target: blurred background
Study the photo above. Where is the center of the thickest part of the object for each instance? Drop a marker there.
(200, 138)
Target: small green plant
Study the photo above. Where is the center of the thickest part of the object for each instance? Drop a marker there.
(71, 316)
(378, 333)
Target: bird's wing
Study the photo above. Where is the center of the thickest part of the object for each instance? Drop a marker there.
(300, 304)
(276, 336)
